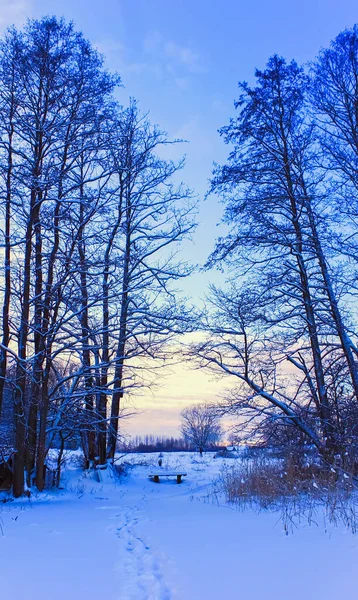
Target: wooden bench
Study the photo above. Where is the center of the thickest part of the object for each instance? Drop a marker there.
(155, 476)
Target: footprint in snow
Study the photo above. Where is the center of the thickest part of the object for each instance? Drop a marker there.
(143, 575)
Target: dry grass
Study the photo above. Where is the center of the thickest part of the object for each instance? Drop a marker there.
(301, 491)
(268, 480)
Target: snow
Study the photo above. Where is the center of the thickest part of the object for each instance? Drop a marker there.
(133, 539)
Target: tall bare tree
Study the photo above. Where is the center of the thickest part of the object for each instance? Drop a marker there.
(276, 204)
(151, 216)
(61, 91)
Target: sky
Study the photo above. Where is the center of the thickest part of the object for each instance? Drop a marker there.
(182, 60)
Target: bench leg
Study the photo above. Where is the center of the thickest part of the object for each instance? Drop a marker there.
(156, 478)
(178, 478)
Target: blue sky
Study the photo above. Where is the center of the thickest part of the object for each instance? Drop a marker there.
(182, 59)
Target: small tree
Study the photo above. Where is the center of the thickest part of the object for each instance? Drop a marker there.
(200, 426)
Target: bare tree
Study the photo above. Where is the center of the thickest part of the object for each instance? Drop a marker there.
(286, 310)
(151, 217)
(9, 103)
(92, 222)
(200, 426)
(237, 346)
(334, 96)
(58, 98)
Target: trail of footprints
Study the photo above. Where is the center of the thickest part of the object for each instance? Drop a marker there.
(142, 575)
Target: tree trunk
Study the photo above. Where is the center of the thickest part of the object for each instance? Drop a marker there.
(102, 408)
(85, 337)
(7, 257)
(42, 447)
(118, 375)
(36, 382)
(345, 340)
(324, 409)
(19, 395)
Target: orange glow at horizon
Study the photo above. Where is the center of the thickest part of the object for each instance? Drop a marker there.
(157, 411)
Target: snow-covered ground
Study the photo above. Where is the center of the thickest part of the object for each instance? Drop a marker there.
(134, 539)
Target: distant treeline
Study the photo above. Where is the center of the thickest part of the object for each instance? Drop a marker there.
(153, 443)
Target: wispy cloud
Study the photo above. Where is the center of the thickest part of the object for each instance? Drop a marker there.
(168, 58)
(182, 82)
(112, 50)
(115, 54)
(165, 60)
(152, 41)
(184, 56)
(14, 12)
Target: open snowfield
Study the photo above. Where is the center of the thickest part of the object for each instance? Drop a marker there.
(134, 539)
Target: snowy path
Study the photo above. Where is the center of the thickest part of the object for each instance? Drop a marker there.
(141, 567)
(144, 541)
(83, 548)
